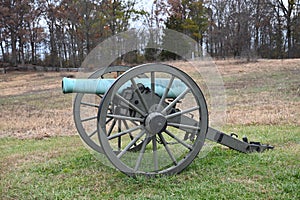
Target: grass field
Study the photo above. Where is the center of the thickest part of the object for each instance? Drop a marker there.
(42, 157)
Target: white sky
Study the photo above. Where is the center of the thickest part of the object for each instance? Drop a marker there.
(145, 4)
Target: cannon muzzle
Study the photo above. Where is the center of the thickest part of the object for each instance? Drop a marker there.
(90, 86)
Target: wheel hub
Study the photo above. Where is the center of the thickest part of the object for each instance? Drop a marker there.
(155, 123)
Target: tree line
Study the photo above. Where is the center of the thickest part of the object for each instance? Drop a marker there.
(62, 32)
(59, 32)
(266, 28)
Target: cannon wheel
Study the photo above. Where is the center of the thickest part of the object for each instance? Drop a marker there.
(167, 146)
(85, 109)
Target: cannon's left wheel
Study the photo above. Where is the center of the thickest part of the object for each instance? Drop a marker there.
(85, 108)
(165, 113)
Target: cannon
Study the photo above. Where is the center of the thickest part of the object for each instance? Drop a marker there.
(150, 120)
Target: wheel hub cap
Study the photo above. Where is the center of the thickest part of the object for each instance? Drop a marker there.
(155, 123)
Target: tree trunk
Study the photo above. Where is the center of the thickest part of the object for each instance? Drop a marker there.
(3, 52)
(32, 52)
(13, 49)
(289, 37)
(257, 26)
(21, 49)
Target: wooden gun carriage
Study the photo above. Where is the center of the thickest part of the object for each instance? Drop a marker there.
(151, 120)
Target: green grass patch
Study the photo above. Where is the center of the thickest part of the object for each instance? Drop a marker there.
(62, 168)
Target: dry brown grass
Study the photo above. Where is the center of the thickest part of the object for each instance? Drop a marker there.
(33, 106)
(228, 67)
(19, 83)
(262, 92)
(268, 91)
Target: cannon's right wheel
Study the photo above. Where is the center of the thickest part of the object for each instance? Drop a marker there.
(85, 108)
(165, 113)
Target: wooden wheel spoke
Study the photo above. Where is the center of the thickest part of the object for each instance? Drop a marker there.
(167, 148)
(124, 132)
(139, 160)
(166, 90)
(155, 158)
(89, 118)
(93, 133)
(127, 127)
(131, 105)
(153, 83)
(119, 138)
(123, 117)
(179, 140)
(182, 112)
(109, 120)
(177, 125)
(140, 95)
(89, 104)
(179, 97)
(111, 127)
(131, 143)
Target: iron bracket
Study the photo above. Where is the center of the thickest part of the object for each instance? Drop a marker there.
(233, 142)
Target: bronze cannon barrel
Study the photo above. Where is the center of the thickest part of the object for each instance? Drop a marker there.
(100, 86)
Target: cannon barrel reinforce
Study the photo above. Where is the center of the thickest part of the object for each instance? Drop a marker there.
(100, 86)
